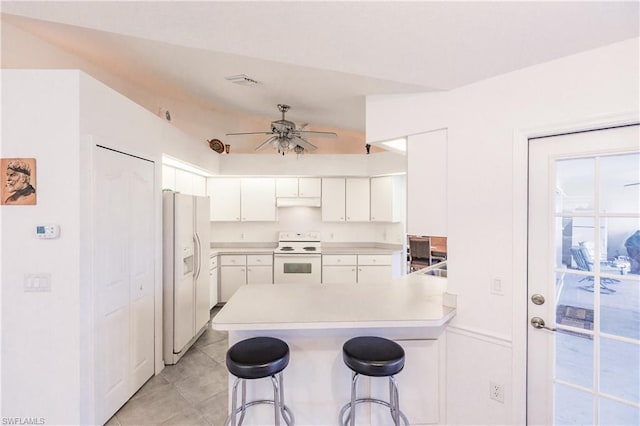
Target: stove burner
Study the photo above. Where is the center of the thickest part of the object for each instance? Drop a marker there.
(287, 248)
(309, 248)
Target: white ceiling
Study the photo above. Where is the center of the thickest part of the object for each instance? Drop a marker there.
(322, 58)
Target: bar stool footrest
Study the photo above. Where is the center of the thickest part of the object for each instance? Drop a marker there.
(287, 415)
(347, 406)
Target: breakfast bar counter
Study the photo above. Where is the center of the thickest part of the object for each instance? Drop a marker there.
(316, 319)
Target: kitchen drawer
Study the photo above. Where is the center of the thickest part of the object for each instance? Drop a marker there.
(374, 259)
(233, 260)
(259, 259)
(213, 262)
(338, 259)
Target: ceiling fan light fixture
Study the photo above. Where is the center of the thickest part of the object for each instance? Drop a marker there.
(242, 80)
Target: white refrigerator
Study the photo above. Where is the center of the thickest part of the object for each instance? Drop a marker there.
(185, 272)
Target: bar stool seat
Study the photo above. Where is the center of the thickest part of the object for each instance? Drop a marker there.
(375, 357)
(258, 358)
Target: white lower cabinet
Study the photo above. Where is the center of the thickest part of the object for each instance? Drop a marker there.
(356, 268)
(233, 275)
(213, 281)
(374, 268)
(339, 268)
(374, 274)
(260, 269)
(237, 270)
(339, 274)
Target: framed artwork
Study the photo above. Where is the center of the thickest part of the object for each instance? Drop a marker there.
(18, 179)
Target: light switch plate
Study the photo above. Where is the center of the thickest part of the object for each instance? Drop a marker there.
(37, 283)
(497, 286)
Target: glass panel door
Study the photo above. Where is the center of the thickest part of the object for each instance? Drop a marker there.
(585, 196)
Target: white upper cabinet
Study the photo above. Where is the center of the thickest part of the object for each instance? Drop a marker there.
(298, 187)
(242, 199)
(357, 199)
(224, 194)
(333, 199)
(168, 178)
(258, 199)
(387, 198)
(309, 187)
(345, 199)
(427, 183)
(286, 187)
(199, 185)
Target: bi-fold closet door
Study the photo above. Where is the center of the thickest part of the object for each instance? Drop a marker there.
(123, 277)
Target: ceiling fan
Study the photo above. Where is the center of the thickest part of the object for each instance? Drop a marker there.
(286, 137)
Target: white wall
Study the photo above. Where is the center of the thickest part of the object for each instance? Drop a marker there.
(313, 165)
(484, 191)
(40, 368)
(55, 116)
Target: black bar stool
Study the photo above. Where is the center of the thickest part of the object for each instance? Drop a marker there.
(258, 358)
(374, 357)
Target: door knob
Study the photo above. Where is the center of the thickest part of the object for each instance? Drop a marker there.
(538, 323)
(538, 299)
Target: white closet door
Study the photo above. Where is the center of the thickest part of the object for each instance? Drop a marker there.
(141, 270)
(123, 277)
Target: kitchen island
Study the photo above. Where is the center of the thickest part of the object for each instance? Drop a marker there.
(316, 319)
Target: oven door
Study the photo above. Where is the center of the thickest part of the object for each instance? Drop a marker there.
(296, 268)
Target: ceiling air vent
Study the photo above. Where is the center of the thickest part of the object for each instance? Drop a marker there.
(242, 80)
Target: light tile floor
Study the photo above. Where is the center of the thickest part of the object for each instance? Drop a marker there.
(191, 392)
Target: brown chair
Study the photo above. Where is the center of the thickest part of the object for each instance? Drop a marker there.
(419, 253)
(438, 249)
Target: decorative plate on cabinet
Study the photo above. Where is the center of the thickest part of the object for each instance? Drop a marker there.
(216, 145)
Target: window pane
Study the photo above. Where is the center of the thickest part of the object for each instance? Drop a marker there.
(620, 311)
(622, 245)
(572, 406)
(574, 241)
(620, 369)
(620, 183)
(575, 300)
(613, 413)
(574, 185)
(574, 358)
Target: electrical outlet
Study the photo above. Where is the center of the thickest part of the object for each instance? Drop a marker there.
(496, 392)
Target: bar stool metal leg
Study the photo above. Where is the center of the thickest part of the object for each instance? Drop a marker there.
(352, 409)
(394, 404)
(276, 401)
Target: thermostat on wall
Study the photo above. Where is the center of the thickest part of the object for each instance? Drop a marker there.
(47, 232)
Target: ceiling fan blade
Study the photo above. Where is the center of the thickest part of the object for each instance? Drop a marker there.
(309, 133)
(250, 133)
(632, 184)
(306, 145)
(265, 143)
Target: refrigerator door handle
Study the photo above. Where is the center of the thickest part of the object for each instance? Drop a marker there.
(196, 239)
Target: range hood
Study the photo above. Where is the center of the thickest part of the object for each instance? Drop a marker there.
(298, 201)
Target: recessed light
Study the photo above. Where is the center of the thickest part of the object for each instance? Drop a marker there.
(242, 80)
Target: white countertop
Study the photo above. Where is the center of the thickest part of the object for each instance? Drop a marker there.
(326, 249)
(357, 250)
(403, 303)
(241, 250)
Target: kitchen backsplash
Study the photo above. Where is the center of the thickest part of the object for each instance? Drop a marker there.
(301, 219)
